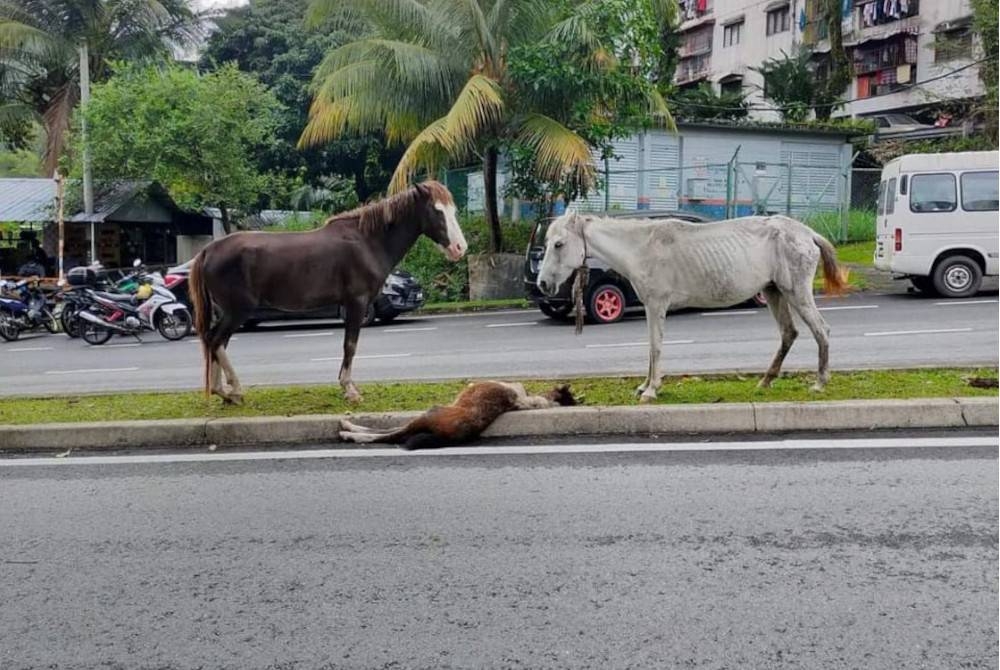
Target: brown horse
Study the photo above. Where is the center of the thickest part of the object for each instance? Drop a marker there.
(345, 262)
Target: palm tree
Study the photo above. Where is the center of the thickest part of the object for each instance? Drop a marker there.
(434, 74)
(40, 43)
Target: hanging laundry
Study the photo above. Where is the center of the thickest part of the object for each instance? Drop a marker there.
(702, 5)
(903, 74)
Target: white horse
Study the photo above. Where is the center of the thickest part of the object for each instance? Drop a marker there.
(674, 264)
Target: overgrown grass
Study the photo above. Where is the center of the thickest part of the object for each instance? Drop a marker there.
(860, 225)
(298, 400)
(473, 306)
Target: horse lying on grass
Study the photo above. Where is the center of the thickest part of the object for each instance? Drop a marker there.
(674, 264)
(465, 419)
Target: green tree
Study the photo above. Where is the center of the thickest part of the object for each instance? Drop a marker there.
(830, 90)
(985, 20)
(790, 83)
(195, 134)
(39, 51)
(600, 102)
(702, 103)
(269, 39)
(436, 76)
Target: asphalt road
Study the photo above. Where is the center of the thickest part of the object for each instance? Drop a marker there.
(867, 331)
(785, 557)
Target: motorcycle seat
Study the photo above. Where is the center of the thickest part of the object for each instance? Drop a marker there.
(117, 297)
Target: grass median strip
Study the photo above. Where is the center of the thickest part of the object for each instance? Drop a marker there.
(384, 397)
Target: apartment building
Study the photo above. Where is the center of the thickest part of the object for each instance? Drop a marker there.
(891, 45)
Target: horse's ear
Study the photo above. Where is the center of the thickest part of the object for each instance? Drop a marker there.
(421, 188)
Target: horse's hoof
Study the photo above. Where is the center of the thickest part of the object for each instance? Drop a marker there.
(764, 383)
(646, 399)
(817, 388)
(639, 390)
(233, 399)
(353, 397)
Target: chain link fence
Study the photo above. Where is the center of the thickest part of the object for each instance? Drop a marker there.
(838, 203)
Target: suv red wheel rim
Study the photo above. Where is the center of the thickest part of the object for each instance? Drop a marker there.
(608, 305)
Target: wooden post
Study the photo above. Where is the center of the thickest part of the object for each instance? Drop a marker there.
(60, 219)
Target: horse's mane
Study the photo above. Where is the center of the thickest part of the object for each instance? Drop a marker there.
(375, 216)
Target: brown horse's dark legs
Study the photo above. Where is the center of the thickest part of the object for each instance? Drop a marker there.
(221, 333)
(355, 311)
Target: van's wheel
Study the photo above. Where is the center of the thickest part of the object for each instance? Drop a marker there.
(923, 284)
(559, 312)
(606, 304)
(957, 276)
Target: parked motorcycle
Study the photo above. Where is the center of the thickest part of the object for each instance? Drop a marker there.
(25, 307)
(152, 307)
(76, 298)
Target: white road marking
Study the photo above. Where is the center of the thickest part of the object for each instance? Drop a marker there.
(949, 303)
(885, 333)
(841, 307)
(409, 330)
(731, 312)
(340, 358)
(88, 370)
(30, 349)
(325, 333)
(764, 445)
(644, 343)
(121, 346)
(511, 325)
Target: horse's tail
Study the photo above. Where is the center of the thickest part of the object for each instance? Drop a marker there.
(834, 276)
(201, 301)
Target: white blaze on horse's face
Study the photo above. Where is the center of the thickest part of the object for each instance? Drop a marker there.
(563, 253)
(457, 245)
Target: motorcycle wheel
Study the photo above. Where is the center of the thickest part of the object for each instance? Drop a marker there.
(52, 324)
(93, 333)
(70, 323)
(174, 326)
(9, 329)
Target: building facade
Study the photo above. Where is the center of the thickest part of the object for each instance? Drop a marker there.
(891, 44)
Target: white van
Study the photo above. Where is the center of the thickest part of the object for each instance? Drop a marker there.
(937, 220)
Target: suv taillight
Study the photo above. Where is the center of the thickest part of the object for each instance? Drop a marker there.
(898, 239)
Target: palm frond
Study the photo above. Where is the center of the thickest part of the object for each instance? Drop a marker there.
(478, 107)
(428, 150)
(558, 150)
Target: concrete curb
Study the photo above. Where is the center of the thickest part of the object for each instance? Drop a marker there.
(772, 417)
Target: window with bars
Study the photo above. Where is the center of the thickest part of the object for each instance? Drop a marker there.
(731, 34)
(778, 20)
(953, 45)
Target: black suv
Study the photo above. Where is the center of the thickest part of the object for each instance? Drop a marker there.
(608, 294)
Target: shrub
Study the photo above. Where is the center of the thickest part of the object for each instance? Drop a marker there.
(444, 281)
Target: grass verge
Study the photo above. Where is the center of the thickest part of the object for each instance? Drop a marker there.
(296, 400)
(472, 306)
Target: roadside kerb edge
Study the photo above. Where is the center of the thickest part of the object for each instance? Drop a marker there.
(772, 417)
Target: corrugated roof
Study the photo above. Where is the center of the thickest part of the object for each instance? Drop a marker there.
(109, 197)
(27, 199)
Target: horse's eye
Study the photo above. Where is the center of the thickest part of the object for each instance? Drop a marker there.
(558, 245)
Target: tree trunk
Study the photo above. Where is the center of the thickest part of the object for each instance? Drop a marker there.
(227, 226)
(839, 75)
(490, 187)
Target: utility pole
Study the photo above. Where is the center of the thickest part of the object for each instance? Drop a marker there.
(88, 183)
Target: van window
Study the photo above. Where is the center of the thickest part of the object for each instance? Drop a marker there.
(881, 198)
(932, 193)
(980, 191)
(890, 196)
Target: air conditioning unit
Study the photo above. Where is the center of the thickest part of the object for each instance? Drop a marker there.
(697, 188)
